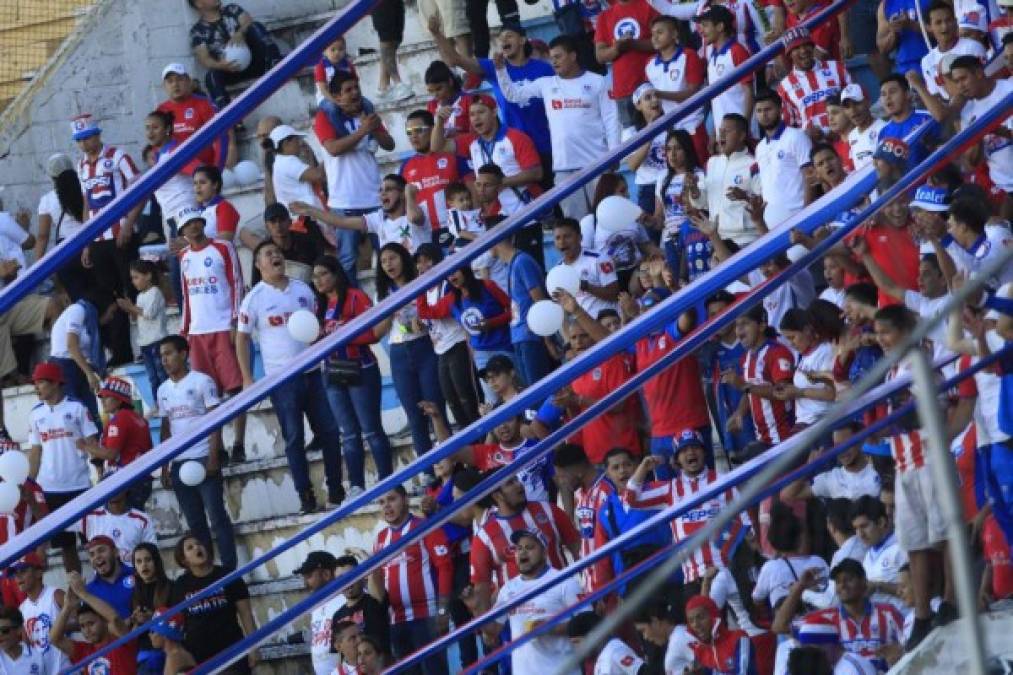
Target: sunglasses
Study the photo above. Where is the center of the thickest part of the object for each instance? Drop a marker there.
(414, 131)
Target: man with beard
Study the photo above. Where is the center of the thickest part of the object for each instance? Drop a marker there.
(113, 581)
(544, 653)
(783, 157)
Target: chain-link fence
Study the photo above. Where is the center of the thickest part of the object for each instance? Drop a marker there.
(30, 32)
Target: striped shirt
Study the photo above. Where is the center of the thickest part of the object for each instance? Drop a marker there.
(587, 505)
(805, 93)
(770, 364)
(881, 624)
(415, 578)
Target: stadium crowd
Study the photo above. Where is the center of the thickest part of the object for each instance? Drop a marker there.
(838, 574)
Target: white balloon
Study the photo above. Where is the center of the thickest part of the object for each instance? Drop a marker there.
(229, 179)
(10, 495)
(563, 277)
(14, 467)
(545, 318)
(303, 326)
(192, 473)
(246, 172)
(616, 213)
(240, 54)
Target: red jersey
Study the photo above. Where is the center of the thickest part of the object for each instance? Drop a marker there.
(492, 554)
(907, 450)
(592, 535)
(880, 625)
(675, 398)
(616, 428)
(843, 150)
(128, 434)
(895, 250)
(220, 217)
(418, 576)
(805, 93)
(728, 653)
(189, 115)
(629, 19)
(826, 36)
(459, 121)
(997, 553)
(770, 364)
(431, 173)
(965, 448)
(23, 514)
(716, 553)
(119, 661)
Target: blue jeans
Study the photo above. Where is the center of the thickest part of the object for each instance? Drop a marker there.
(410, 636)
(998, 471)
(357, 410)
(175, 272)
(306, 395)
(75, 385)
(153, 367)
(482, 357)
(200, 503)
(532, 360)
(348, 244)
(416, 378)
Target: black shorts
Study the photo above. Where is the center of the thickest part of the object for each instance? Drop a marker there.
(388, 20)
(55, 500)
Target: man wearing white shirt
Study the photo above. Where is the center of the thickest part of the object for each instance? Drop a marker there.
(614, 656)
(543, 654)
(942, 25)
(732, 177)
(31, 314)
(884, 556)
(317, 571)
(863, 139)
(266, 310)
(292, 177)
(599, 286)
(854, 477)
(783, 157)
(583, 119)
(127, 527)
(184, 400)
(17, 657)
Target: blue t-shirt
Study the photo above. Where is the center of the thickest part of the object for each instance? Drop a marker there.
(469, 312)
(523, 275)
(728, 397)
(116, 593)
(530, 117)
(911, 45)
(920, 149)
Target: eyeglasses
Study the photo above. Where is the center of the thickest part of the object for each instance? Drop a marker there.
(415, 131)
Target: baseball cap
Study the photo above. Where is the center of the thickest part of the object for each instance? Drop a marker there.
(687, 438)
(84, 126)
(47, 370)
(175, 69)
(517, 535)
(170, 627)
(852, 92)
(496, 365)
(57, 164)
(483, 99)
(928, 198)
(796, 38)
(118, 388)
(283, 131)
(32, 559)
(188, 213)
(317, 560)
(717, 14)
(641, 91)
(275, 212)
(814, 631)
(893, 150)
(973, 18)
(101, 540)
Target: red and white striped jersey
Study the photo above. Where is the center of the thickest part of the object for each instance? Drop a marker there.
(104, 179)
(805, 93)
(881, 625)
(212, 288)
(126, 529)
(592, 535)
(492, 554)
(31, 493)
(718, 552)
(907, 450)
(418, 576)
(8, 527)
(770, 364)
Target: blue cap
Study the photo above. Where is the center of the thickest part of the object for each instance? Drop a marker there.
(687, 438)
(928, 198)
(83, 126)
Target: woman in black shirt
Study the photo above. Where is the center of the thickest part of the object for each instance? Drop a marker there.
(218, 621)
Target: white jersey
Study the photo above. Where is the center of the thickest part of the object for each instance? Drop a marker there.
(596, 270)
(679, 652)
(862, 143)
(778, 574)
(266, 309)
(126, 529)
(212, 288)
(286, 177)
(175, 194)
(57, 429)
(981, 253)
(724, 172)
(998, 148)
(30, 662)
(840, 483)
(39, 616)
(64, 223)
(324, 662)
(398, 230)
(721, 61)
(545, 653)
(852, 548)
(780, 158)
(616, 658)
(184, 404)
(682, 71)
(934, 81)
(71, 320)
(819, 359)
(583, 118)
(928, 308)
(883, 563)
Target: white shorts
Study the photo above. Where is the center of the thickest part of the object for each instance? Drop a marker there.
(451, 13)
(919, 521)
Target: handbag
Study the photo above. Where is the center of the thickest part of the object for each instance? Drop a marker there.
(344, 372)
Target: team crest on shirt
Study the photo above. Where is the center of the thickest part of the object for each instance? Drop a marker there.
(100, 666)
(626, 661)
(596, 374)
(441, 163)
(627, 28)
(108, 164)
(128, 581)
(588, 88)
(440, 550)
(780, 154)
(737, 180)
(674, 74)
(67, 417)
(784, 364)
(471, 319)
(117, 533)
(208, 262)
(541, 518)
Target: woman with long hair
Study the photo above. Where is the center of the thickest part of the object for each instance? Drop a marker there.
(353, 376)
(220, 620)
(482, 309)
(152, 588)
(812, 387)
(688, 251)
(61, 210)
(412, 359)
(446, 89)
(221, 219)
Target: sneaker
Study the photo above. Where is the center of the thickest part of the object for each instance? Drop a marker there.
(238, 453)
(354, 492)
(383, 95)
(401, 91)
(919, 631)
(314, 444)
(308, 503)
(335, 497)
(946, 613)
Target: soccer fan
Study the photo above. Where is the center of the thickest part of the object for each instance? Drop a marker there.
(849, 547)
(212, 292)
(295, 246)
(831, 38)
(343, 645)
(360, 607)
(350, 142)
(810, 336)
(492, 561)
(656, 623)
(783, 158)
(445, 88)
(840, 126)
(99, 624)
(889, 244)
(819, 651)
(942, 25)
(622, 38)
(39, 609)
(416, 585)
(599, 286)
(614, 657)
(884, 556)
(114, 580)
(902, 118)
(707, 642)
(863, 139)
(784, 536)
(531, 557)
(17, 655)
(55, 425)
(677, 72)
(124, 525)
(581, 116)
(806, 88)
(428, 171)
(732, 178)
(190, 111)
(854, 477)
(317, 570)
(723, 54)
(727, 356)
(693, 477)
(296, 175)
(183, 400)
(266, 309)
(898, 28)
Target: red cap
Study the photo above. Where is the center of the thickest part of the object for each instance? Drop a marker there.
(118, 388)
(100, 539)
(32, 559)
(483, 99)
(47, 370)
(795, 38)
(698, 601)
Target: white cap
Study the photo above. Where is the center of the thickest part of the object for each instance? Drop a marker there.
(281, 132)
(175, 69)
(188, 213)
(974, 18)
(852, 92)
